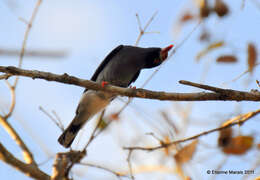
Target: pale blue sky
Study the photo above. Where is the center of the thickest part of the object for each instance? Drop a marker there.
(89, 30)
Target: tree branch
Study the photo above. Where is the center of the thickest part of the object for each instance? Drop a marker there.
(224, 95)
(28, 169)
(28, 157)
(59, 167)
(238, 120)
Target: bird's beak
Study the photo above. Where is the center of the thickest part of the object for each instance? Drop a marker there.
(164, 52)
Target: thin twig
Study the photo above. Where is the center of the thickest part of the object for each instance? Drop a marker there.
(202, 86)
(238, 120)
(57, 123)
(117, 174)
(241, 75)
(13, 87)
(29, 26)
(93, 134)
(58, 120)
(130, 164)
(142, 30)
(13, 100)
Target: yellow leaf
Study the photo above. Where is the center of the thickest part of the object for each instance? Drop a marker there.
(209, 48)
(186, 153)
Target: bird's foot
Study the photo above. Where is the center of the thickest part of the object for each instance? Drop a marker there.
(103, 83)
(133, 87)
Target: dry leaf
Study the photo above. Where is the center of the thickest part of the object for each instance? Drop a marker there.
(252, 56)
(225, 137)
(258, 146)
(186, 153)
(221, 8)
(227, 59)
(239, 145)
(209, 48)
(204, 9)
(204, 36)
(186, 17)
(114, 116)
(258, 83)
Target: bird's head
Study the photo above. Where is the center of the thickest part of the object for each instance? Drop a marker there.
(156, 56)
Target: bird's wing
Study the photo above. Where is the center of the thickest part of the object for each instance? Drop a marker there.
(135, 77)
(105, 62)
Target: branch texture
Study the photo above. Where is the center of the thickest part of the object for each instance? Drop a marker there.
(223, 95)
(28, 169)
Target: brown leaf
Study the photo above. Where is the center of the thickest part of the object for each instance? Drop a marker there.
(227, 59)
(239, 145)
(186, 17)
(209, 48)
(186, 153)
(204, 9)
(221, 8)
(252, 56)
(204, 36)
(258, 146)
(225, 137)
(114, 116)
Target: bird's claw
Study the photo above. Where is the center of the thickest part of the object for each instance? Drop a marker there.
(103, 83)
(133, 87)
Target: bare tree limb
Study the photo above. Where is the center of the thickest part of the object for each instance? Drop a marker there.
(4, 76)
(238, 120)
(28, 169)
(28, 157)
(59, 167)
(224, 95)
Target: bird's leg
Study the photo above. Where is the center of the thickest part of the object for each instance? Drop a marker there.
(103, 83)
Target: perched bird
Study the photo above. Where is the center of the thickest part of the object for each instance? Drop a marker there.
(121, 67)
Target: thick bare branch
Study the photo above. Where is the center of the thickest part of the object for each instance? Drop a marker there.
(28, 169)
(59, 167)
(28, 157)
(228, 94)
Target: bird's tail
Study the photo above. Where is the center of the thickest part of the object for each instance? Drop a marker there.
(68, 136)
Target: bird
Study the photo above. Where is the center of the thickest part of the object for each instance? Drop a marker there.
(121, 67)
